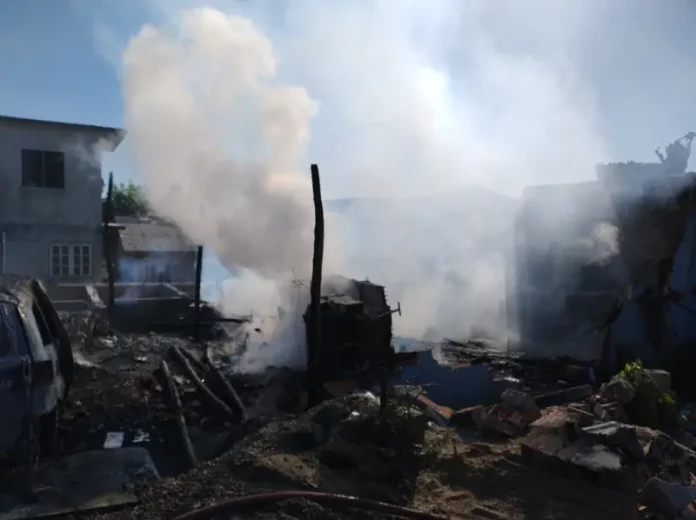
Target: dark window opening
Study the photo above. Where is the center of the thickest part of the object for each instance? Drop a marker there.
(41, 169)
(11, 337)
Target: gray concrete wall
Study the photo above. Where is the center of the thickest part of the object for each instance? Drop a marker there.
(34, 218)
(28, 249)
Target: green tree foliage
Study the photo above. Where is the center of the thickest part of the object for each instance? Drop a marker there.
(129, 200)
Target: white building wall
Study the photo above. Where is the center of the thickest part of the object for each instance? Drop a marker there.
(32, 218)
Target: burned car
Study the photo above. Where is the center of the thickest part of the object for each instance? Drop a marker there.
(36, 368)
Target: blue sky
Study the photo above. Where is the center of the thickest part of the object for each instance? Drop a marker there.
(636, 62)
(640, 64)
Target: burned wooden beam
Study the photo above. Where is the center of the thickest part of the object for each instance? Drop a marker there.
(197, 297)
(232, 397)
(197, 363)
(314, 339)
(179, 413)
(213, 399)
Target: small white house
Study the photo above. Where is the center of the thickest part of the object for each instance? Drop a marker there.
(50, 201)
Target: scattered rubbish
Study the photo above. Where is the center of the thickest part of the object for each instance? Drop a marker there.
(114, 440)
(140, 437)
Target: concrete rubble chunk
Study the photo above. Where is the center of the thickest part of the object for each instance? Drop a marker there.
(567, 440)
(662, 378)
(620, 390)
(670, 499)
(616, 435)
(521, 402)
(673, 457)
(594, 457)
(549, 434)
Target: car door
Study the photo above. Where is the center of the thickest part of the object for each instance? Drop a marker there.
(57, 330)
(14, 357)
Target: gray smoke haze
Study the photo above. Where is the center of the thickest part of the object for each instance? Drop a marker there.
(435, 115)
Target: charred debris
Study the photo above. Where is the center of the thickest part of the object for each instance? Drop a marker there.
(634, 302)
(597, 391)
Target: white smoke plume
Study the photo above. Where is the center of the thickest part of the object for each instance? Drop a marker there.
(444, 110)
(219, 140)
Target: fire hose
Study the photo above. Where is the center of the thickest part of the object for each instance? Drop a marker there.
(329, 499)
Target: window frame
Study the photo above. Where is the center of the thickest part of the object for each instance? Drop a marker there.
(72, 247)
(45, 183)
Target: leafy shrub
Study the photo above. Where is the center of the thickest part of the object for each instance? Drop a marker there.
(650, 406)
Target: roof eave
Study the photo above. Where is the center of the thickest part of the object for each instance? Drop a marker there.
(114, 139)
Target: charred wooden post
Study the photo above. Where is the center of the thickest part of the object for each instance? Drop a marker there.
(231, 395)
(213, 399)
(197, 301)
(195, 362)
(179, 412)
(314, 339)
(107, 220)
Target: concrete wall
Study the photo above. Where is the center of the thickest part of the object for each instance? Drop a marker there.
(34, 218)
(28, 249)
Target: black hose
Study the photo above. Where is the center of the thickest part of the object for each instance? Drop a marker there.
(329, 499)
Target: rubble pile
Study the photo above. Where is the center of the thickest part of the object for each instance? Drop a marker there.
(552, 443)
(615, 437)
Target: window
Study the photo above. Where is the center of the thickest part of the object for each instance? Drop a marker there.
(71, 260)
(41, 324)
(43, 169)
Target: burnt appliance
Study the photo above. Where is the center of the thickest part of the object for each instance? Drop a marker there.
(356, 331)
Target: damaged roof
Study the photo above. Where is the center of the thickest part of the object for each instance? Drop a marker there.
(152, 235)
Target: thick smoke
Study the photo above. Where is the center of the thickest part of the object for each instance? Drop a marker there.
(435, 115)
(218, 139)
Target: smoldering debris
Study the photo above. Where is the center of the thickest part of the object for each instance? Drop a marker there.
(636, 277)
(558, 409)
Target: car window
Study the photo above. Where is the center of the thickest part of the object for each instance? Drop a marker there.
(41, 324)
(12, 338)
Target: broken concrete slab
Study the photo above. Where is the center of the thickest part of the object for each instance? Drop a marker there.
(620, 390)
(615, 435)
(81, 482)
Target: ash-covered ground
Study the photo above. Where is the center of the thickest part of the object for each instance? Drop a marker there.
(458, 471)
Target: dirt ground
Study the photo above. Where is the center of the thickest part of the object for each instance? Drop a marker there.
(458, 473)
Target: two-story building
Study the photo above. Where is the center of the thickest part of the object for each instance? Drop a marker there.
(50, 198)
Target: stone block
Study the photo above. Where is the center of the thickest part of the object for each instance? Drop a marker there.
(662, 378)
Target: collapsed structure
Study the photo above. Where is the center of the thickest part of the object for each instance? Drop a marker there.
(605, 268)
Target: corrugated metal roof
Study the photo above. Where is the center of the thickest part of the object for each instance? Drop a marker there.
(149, 235)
